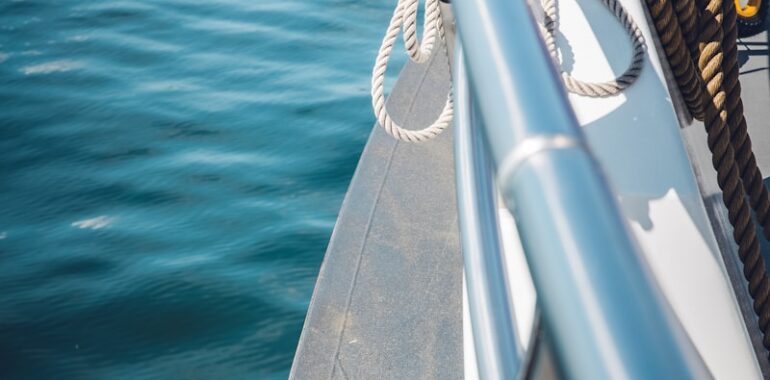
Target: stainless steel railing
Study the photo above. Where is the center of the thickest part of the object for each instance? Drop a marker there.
(600, 304)
(494, 332)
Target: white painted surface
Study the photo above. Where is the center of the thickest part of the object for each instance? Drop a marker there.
(637, 141)
(635, 137)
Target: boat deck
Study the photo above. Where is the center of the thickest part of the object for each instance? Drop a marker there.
(388, 300)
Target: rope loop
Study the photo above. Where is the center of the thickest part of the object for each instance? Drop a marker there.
(597, 89)
(405, 18)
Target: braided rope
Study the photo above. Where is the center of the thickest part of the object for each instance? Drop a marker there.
(597, 89)
(747, 165)
(670, 32)
(716, 84)
(405, 18)
(710, 64)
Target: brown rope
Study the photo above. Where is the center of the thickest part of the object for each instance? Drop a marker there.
(688, 18)
(671, 38)
(751, 176)
(747, 163)
(711, 91)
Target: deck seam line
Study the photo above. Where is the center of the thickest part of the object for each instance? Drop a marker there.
(413, 100)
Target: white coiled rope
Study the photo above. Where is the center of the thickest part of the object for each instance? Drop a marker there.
(597, 89)
(405, 17)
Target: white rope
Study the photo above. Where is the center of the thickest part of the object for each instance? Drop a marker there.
(597, 89)
(405, 17)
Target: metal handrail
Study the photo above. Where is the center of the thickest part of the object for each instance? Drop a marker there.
(601, 306)
(494, 332)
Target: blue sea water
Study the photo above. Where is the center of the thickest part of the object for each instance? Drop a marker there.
(170, 173)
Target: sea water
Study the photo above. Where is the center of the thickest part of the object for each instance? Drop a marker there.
(170, 174)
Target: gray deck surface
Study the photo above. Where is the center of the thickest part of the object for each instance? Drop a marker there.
(388, 300)
(382, 311)
(755, 83)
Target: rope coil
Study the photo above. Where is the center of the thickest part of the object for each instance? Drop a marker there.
(405, 18)
(597, 89)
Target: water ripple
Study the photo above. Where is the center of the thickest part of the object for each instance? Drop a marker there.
(51, 67)
(171, 174)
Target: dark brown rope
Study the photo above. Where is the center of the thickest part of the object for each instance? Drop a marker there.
(699, 39)
(751, 176)
(682, 65)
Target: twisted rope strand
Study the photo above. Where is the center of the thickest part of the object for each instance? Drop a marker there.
(405, 18)
(750, 174)
(728, 173)
(669, 29)
(721, 108)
